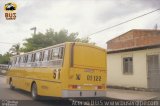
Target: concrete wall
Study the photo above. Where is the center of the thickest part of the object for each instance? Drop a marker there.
(139, 76)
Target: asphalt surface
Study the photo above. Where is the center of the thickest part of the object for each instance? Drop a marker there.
(19, 97)
(24, 98)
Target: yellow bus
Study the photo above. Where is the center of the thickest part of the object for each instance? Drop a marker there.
(65, 70)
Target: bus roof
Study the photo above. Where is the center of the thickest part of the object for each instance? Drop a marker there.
(62, 44)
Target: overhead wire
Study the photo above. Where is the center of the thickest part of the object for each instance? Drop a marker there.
(123, 22)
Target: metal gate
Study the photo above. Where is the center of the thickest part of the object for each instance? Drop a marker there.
(153, 64)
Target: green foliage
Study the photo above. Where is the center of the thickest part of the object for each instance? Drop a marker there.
(15, 49)
(41, 40)
(50, 38)
(4, 59)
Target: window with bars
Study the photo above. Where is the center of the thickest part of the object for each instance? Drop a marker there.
(153, 63)
(127, 65)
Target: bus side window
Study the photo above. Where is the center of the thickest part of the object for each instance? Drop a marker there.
(55, 53)
(23, 58)
(26, 58)
(29, 57)
(41, 56)
(19, 60)
(37, 56)
(49, 55)
(61, 51)
(33, 57)
(15, 60)
(45, 55)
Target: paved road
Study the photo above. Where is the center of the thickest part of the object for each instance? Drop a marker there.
(7, 94)
(24, 98)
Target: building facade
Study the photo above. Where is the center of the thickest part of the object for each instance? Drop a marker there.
(133, 59)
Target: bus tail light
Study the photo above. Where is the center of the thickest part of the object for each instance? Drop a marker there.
(74, 86)
(99, 87)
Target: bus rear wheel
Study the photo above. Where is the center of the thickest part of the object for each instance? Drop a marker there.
(11, 84)
(34, 92)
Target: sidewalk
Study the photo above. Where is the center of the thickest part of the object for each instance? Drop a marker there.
(122, 94)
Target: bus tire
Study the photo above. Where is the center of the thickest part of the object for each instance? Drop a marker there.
(34, 91)
(11, 84)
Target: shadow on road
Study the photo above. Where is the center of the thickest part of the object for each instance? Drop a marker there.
(43, 101)
(22, 92)
(52, 101)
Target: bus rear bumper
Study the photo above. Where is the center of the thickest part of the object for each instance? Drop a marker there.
(83, 93)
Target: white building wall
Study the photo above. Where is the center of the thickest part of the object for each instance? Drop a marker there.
(115, 76)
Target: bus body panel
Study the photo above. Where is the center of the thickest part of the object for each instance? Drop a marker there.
(87, 74)
(58, 81)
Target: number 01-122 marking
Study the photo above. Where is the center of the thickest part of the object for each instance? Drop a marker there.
(93, 78)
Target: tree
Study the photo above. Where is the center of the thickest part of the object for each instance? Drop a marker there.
(15, 49)
(50, 38)
(4, 59)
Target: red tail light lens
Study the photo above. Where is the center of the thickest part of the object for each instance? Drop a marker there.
(73, 86)
(99, 87)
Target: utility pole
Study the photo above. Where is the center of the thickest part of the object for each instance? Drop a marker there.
(35, 29)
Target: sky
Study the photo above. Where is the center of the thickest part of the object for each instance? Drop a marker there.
(82, 16)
